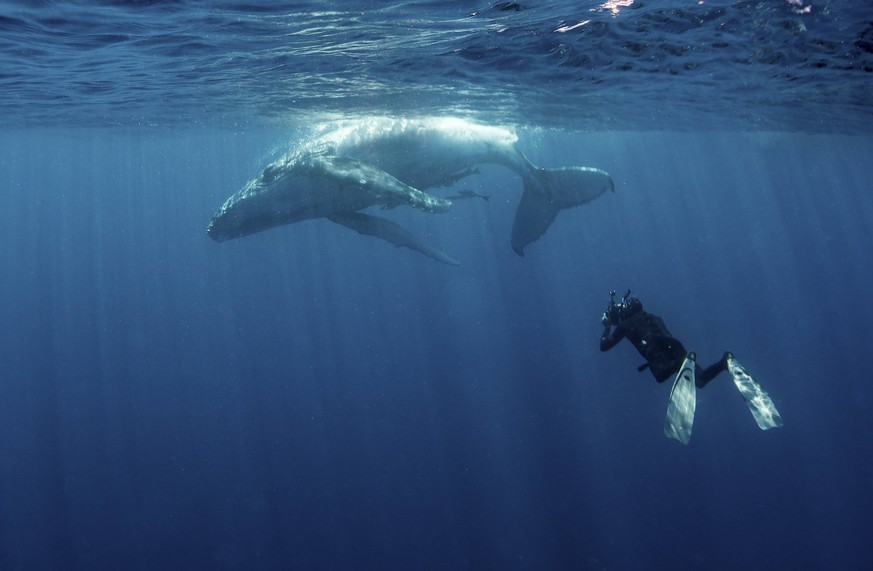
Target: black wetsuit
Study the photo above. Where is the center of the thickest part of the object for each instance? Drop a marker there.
(663, 352)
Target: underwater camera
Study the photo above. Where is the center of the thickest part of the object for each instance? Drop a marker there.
(616, 311)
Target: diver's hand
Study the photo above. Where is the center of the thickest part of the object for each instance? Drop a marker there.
(604, 319)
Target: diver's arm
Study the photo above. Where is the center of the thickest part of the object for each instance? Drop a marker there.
(608, 341)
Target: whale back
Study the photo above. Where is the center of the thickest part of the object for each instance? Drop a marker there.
(423, 153)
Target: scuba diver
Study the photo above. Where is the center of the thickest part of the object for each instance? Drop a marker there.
(667, 358)
(648, 334)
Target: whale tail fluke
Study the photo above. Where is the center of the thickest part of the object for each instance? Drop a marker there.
(547, 192)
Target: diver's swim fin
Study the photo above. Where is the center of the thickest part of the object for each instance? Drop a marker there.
(683, 401)
(759, 402)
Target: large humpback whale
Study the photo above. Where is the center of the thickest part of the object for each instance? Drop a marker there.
(390, 162)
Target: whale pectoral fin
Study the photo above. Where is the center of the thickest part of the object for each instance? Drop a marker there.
(534, 215)
(388, 231)
(382, 186)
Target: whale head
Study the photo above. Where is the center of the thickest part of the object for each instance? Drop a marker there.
(313, 186)
(287, 191)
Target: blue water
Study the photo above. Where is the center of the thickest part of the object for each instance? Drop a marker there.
(308, 398)
(798, 65)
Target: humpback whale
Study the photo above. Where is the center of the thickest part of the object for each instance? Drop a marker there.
(392, 162)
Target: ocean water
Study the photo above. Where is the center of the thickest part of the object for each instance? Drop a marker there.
(309, 398)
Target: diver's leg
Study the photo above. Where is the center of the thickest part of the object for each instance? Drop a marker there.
(703, 376)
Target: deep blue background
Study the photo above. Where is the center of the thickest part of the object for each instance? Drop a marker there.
(310, 398)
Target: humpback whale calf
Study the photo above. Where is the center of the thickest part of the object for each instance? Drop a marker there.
(391, 162)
